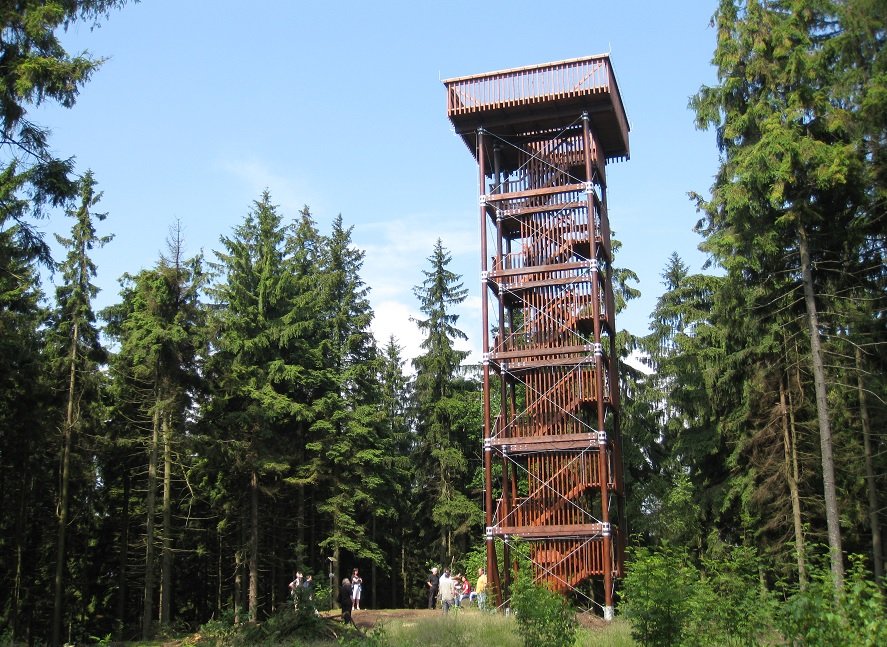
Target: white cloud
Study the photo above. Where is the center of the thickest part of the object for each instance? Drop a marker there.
(393, 318)
(396, 254)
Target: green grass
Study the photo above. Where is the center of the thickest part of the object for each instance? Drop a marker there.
(474, 628)
(461, 629)
(614, 634)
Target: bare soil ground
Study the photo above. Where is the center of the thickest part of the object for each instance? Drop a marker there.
(366, 619)
(590, 621)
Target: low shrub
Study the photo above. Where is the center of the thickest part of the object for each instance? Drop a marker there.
(728, 605)
(821, 616)
(671, 600)
(286, 626)
(655, 595)
(218, 631)
(545, 618)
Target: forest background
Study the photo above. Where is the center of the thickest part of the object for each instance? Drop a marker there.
(230, 417)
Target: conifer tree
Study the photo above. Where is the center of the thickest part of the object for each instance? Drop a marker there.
(795, 110)
(346, 452)
(159, 325)
(76, 337)
(28, 445)
(688, 435)
(265, 365)
(396, 503)
(442, 438)
(36, 69)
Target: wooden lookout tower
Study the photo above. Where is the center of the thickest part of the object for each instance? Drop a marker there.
(542, 137)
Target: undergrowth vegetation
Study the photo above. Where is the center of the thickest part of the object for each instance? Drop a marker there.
(669, 599)
(545, 618)
(672, 599)
(462, 627)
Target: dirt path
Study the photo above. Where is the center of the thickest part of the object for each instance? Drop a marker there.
(366, 619)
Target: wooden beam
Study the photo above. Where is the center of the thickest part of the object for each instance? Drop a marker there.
(560, 443)
(589, 530)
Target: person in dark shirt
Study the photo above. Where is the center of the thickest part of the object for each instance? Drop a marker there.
(433, 582)
(345, 600)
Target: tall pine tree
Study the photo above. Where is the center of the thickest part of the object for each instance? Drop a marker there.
(443, 441)
(80, 353)
(346, 451)
(793, 195)
(159, 325)
(265, 365)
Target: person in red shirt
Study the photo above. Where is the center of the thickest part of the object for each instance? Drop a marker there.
(465, 594)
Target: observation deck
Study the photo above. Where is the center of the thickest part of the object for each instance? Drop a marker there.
(537, 99)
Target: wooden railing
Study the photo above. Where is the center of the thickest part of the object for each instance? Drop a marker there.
(527, 85)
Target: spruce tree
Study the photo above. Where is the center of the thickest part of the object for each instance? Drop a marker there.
(346, 452)
(440, 388)
(36, 69)
(688, 434)
(28, 446)
(396, 504)
(80, 353)
(159, 326)
(795, 112)
(264, 368)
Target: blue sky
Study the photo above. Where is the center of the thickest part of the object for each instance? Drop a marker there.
(202, 104)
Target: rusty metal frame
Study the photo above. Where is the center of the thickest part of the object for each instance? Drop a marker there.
(542, 136)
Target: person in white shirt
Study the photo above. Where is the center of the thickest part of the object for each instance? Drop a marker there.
(447, 591)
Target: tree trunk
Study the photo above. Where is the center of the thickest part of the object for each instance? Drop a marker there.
(403, 570)
(877, 551)
(822, 413)
(166, 549)
(220, 573)
(254, 548)
(150, 506)
(272, 547)
(124, 560)
(68, 433)
(373, 572)
(791, 477)
(17, 586)
(26, 490)
(238, 586)
(335, 569)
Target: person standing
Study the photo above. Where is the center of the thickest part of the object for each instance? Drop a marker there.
(294, 586)
(432, 582)
(345, 600)
(447, 592)
(481, 588)
(356, 588)
(296, 583)
(465, 593)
